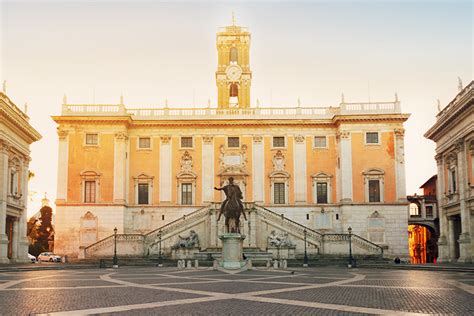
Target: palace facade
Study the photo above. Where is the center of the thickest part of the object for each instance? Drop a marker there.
(142, 170)
(453, 133)
(16, 136)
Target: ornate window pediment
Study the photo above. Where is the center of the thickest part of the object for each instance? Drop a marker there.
(373, 172)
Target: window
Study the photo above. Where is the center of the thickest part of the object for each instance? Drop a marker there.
(13, 187)
(143, 189)
(92, 139)
(278, 141)
(144, 142)
(372, 138)
(186, 194)
(414, 210)
(374, 191)
(429, 211)
(233, 142)
(186, 142)
(279, 194)
(89, 191)
(233, 55)
(453, 180)
(320, 142)
(321, 192)
(234, 90)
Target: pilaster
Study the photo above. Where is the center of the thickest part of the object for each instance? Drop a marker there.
(443, 248)
(120, 150)
(3, 201)
(258, 169)
(345, 156)
(465, 237)
(299, 163)
(165, 169)
(63, 163)
(207, 169)
(400, 165)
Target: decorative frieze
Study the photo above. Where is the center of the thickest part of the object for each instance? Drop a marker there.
(399, 132)
(459, 145)
(257, 138)
(165, 139)
(121, 136)
(299, 138)
(207, 139)
(186, 162)
(278, 161)
(62, 134)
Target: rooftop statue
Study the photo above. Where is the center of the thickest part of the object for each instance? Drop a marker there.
(232, 207)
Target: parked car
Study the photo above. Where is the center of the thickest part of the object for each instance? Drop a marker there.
(32, 258)
(48, 256)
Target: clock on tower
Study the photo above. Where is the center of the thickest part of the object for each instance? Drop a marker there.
(233, 75)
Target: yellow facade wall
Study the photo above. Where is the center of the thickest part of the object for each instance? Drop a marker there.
(144, 161)
(321, 160)
(365, 157)
(91, 158)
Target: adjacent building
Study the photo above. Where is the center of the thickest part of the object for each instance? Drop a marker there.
(16, 136)
(453, 133)
(139, 169)
(423, 224)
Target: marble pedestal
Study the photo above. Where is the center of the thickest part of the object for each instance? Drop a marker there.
(232, 245)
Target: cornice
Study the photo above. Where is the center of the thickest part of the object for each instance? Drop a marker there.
(19, 124)
(450, 119)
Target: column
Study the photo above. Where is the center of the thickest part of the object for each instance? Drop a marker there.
(120, 149)
(15, 238)
(465, 237)
(207, 169)
(299, 163)
(3, 201)
(253, 228)
(23, 220)
(258, 169)
(63, 156)
(345, 156)
(400, 165)
(451, 240)
(443, 249)
(165, 169)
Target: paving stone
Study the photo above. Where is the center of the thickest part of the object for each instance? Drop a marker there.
(237, 307)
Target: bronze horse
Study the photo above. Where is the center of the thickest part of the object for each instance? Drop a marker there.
(232, 207)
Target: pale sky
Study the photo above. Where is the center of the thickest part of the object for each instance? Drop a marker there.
(151, 51)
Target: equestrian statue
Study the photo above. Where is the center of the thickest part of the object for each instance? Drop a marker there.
(232, 207)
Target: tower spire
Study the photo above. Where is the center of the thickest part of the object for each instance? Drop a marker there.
(233, 18)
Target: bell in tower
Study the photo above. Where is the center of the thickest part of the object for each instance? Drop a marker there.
(233, 75)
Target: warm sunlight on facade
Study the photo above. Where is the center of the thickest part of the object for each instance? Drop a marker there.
(139, 169)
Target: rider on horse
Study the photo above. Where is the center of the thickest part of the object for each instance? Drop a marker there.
(233, 194)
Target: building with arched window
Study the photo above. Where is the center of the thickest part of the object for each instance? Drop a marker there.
(304, 171)
(16, 135)
(453, 133)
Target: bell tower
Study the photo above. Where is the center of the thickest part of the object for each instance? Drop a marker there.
(233, 75)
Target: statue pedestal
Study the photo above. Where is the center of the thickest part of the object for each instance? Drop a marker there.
(282, 252)
(232, 245)
(183, 253)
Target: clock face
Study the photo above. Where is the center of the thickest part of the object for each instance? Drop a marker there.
(233, 72)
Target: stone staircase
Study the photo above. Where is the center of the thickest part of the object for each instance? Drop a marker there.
(261, 221)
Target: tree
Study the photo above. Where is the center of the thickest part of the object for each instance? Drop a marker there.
(41, 231)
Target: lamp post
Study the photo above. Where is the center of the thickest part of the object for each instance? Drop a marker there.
(115, 260)
(350, 247)
(305, 259)
(159, 248)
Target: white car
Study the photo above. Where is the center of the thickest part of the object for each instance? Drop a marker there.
(48, 256)
(32, 258)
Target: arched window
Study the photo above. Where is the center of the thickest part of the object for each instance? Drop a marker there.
(233, 55)
(414, 209)
(234, 90)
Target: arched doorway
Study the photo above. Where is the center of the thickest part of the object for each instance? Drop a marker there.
(422, 244)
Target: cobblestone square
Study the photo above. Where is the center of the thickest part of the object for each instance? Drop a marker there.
(168, 291)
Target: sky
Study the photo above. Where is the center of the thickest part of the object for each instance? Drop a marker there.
(150, 51)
